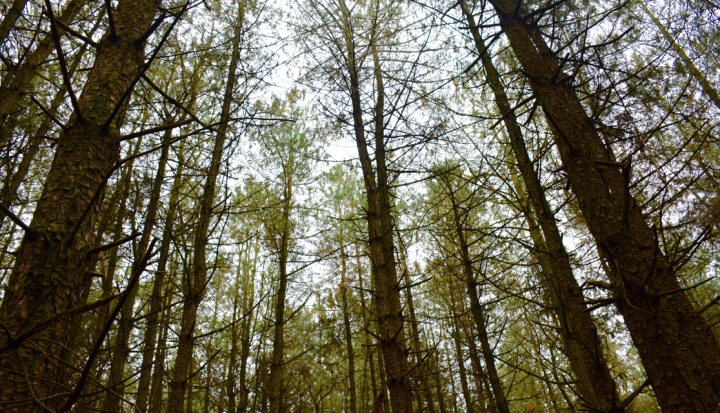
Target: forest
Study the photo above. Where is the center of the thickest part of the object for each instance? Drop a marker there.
(359, 206)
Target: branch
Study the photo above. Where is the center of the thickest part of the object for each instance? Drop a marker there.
(14, 218)
(76, 33)
(47, 113)
(14, 342)
(111, 21)
(113, 244)
(63, 63)
(161, 128)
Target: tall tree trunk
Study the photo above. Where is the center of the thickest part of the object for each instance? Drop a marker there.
(476, 308)
(380, 230)
(156, 297)
(276, 378)
(156, 389)
(438, 385)
(469, 405)
(580, 338)
(121, 349)
(247, 330)
(52, 261)
(198, 277)
(422, 372)
(346, 323)
(679, 352)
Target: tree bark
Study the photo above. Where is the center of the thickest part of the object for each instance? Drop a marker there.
(52, 261)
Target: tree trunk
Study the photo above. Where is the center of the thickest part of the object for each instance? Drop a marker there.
(580, 338)
(156, 297)
(422, 372)
(680, 354)
(469, 405)
(476, 307)
(52, 261)
(689, 64)
(380, 230)
(348, 329)
(276, 377)
(197, 280)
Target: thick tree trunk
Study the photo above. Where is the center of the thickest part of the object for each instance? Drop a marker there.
(680, 354)
(52, 261)
(580, 338)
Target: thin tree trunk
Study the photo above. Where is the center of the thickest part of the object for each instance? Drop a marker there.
(247, 330)
(476, 307)
(680, 354)
(156, 298)
(697, 74)
(469, 405)
(121, 349)
(198, 277)
(348, 329)
(380, 230)
(156, 389)
(422, 371)
(12, 14)
(276, 377)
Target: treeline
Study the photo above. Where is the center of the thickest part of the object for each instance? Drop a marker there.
(359, 206)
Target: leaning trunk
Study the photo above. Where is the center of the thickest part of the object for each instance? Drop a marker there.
(679, 352)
